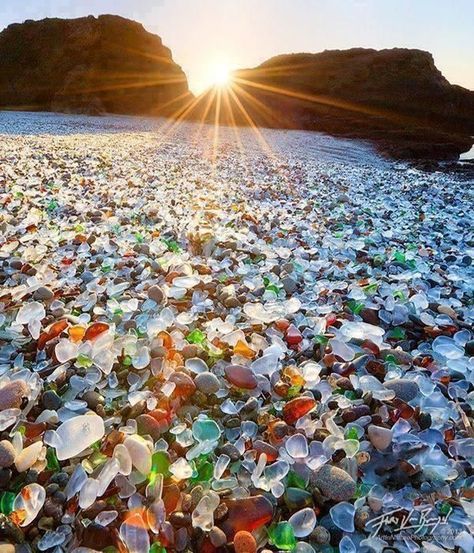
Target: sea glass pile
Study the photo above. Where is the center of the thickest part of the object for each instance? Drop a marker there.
(230, 344)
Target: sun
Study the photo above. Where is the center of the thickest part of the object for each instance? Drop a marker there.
(220, 75)
(214, 73)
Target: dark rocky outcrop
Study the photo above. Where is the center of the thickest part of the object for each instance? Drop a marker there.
(90, 64)
(396, 98)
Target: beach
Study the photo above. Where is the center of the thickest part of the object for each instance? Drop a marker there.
(211, 331)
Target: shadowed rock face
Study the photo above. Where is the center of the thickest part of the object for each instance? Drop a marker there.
(91, 65)
(396, 98)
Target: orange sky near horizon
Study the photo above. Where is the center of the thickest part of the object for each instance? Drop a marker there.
(207, 35)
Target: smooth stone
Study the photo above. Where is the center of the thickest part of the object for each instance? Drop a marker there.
(401, 356)
(405, 389)
(321, 535)
(51, 400)
(379, 437)
(87, 276)
(156, 294)
(370, 316)
(12, 394)
(334, 483)
(7, 454)
(93, 399)
(185, 386)
(207, 383)
(469, 347)
(28, 457)
(43, 294)
(147, 424)
(217, 537)
(231, 451)
(289, 285)
(139, 453)
(231, 302)
(244, 542)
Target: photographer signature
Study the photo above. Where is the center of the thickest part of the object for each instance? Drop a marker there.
(416, 520)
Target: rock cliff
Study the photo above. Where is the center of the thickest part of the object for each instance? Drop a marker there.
(397, 98)
(90, 64)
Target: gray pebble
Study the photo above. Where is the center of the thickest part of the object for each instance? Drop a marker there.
(207, 382)
(7, 454)
(51, 400)
(289, 285)
(93, 398)
(406, 390)
(43, 294)
(156, 294)
(334, 483)
(217, 537)
(231, 451)
(12, 394)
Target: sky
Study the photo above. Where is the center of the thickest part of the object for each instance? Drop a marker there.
(206, 36)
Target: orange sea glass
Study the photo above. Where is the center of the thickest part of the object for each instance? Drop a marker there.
(76, 333)
(241, 348)
(297, 408)
(94, 330)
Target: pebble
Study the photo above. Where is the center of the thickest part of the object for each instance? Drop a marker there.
(241, 376)
(51, 400)
(156, 294)
(380, 437)
(404, 389)
(12, 394)
(28, 456)
(149, 425)
(43, 294)
(7, 454)
(289, 285)
(244, 542)
(321, 535)
(217, 537)
(93, 399)
(207, 382)
(334, 483)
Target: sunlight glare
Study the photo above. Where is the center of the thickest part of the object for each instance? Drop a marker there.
(220, 75)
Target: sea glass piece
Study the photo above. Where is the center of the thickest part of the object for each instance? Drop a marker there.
(297, 408)
(342, 515)
(241, 377)
(249, 513)
(76, 434)
(282, 536)
(134, 533)
(28, 503)
(303, 522)
(206, 430)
